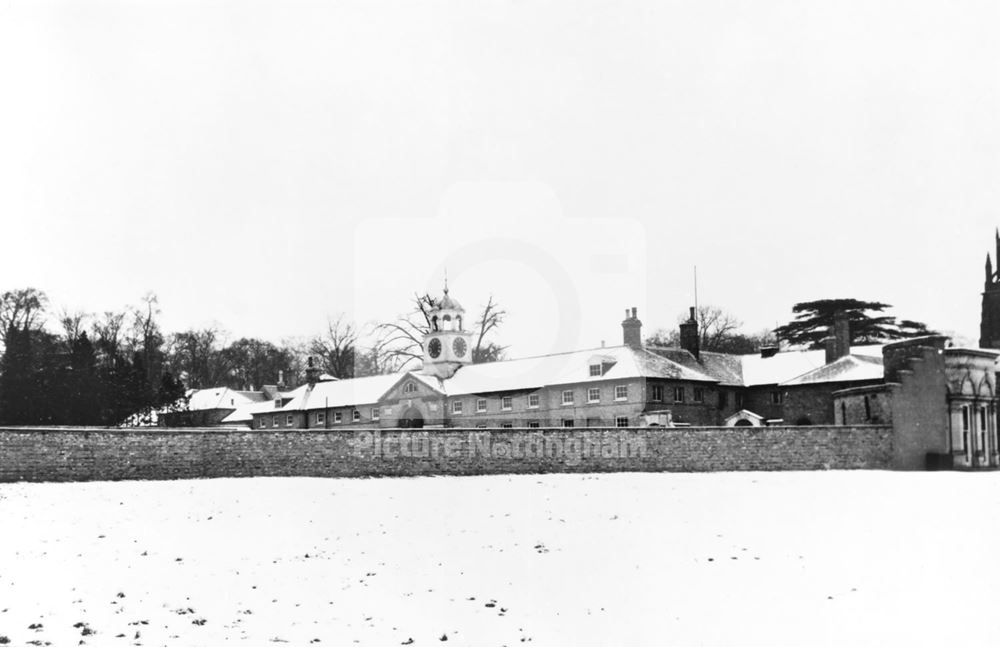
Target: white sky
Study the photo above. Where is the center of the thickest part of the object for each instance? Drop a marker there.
(261, 165)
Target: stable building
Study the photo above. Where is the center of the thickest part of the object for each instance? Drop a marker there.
(630, 385)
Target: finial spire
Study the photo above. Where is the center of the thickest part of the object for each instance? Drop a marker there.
(989, 269)
(446, 280)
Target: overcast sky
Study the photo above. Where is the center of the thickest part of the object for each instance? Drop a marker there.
(261, 165)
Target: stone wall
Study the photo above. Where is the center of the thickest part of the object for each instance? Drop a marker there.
(100, 454)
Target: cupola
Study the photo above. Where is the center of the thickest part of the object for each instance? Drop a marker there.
(447, 345)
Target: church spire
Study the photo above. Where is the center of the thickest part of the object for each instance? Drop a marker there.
(989, 269)
(998, 248)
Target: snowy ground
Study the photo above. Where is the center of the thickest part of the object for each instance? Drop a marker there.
(835, 558)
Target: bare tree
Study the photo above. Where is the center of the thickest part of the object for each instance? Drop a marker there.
(373, 356)
(491, 319)
(195, 356)
(72, 325)
(403, 339)
(21, 310)
(337, 347)
(718, 331)
(107, 335)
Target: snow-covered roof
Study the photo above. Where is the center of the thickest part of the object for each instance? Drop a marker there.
(221, 398)
(620, 362)
(852, 368)
(246, 412)
(348, 392)
(787, 365)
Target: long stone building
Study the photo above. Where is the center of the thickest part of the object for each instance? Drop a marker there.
(628, 385)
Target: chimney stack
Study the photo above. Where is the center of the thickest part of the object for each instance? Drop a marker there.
(690, 337)
(312, 371)
(632, 329)
(839, 344)
(281, 379)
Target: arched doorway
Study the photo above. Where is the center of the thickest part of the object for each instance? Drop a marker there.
(411, 418)
(743, 422)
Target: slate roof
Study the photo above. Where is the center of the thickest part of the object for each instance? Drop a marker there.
(715, 367)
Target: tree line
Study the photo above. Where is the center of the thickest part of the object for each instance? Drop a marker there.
(868, 323)
(114, 368)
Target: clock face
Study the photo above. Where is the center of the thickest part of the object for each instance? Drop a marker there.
(459, 346)
(434, 347)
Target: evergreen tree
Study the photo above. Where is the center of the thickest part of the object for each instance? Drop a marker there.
(83, 405)
(16, 376)
(814, 322)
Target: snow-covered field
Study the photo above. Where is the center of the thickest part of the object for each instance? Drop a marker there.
(834, 558)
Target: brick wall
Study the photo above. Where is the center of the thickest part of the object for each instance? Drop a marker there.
(99, 454)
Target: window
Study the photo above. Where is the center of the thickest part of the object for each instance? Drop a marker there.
(274, 421)
(410, 388)
(868, 409)
(621, 421)
(481, 405)
(320, 417)
(507, 425)
(699, 394)
(567, 397)
(375, 413)
(776, 397)
(723, 399)
(289, 420)
(262, 423)
(678, 394)
(506, 403)
(657, 393)
(621, 392)
(456, 407)
(356, 415)
(593, 395)
(533, 424)
(965, 418)
(843, 413)
(567, 422)
(982, 418)
(595, 370)
(338, 417)
(533, 401)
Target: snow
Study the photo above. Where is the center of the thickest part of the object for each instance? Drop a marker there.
(819, 558)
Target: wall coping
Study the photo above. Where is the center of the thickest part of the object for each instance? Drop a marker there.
(231, 430)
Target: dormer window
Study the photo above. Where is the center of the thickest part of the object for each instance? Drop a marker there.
(596, 370)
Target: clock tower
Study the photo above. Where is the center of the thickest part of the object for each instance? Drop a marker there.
(447, 344)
